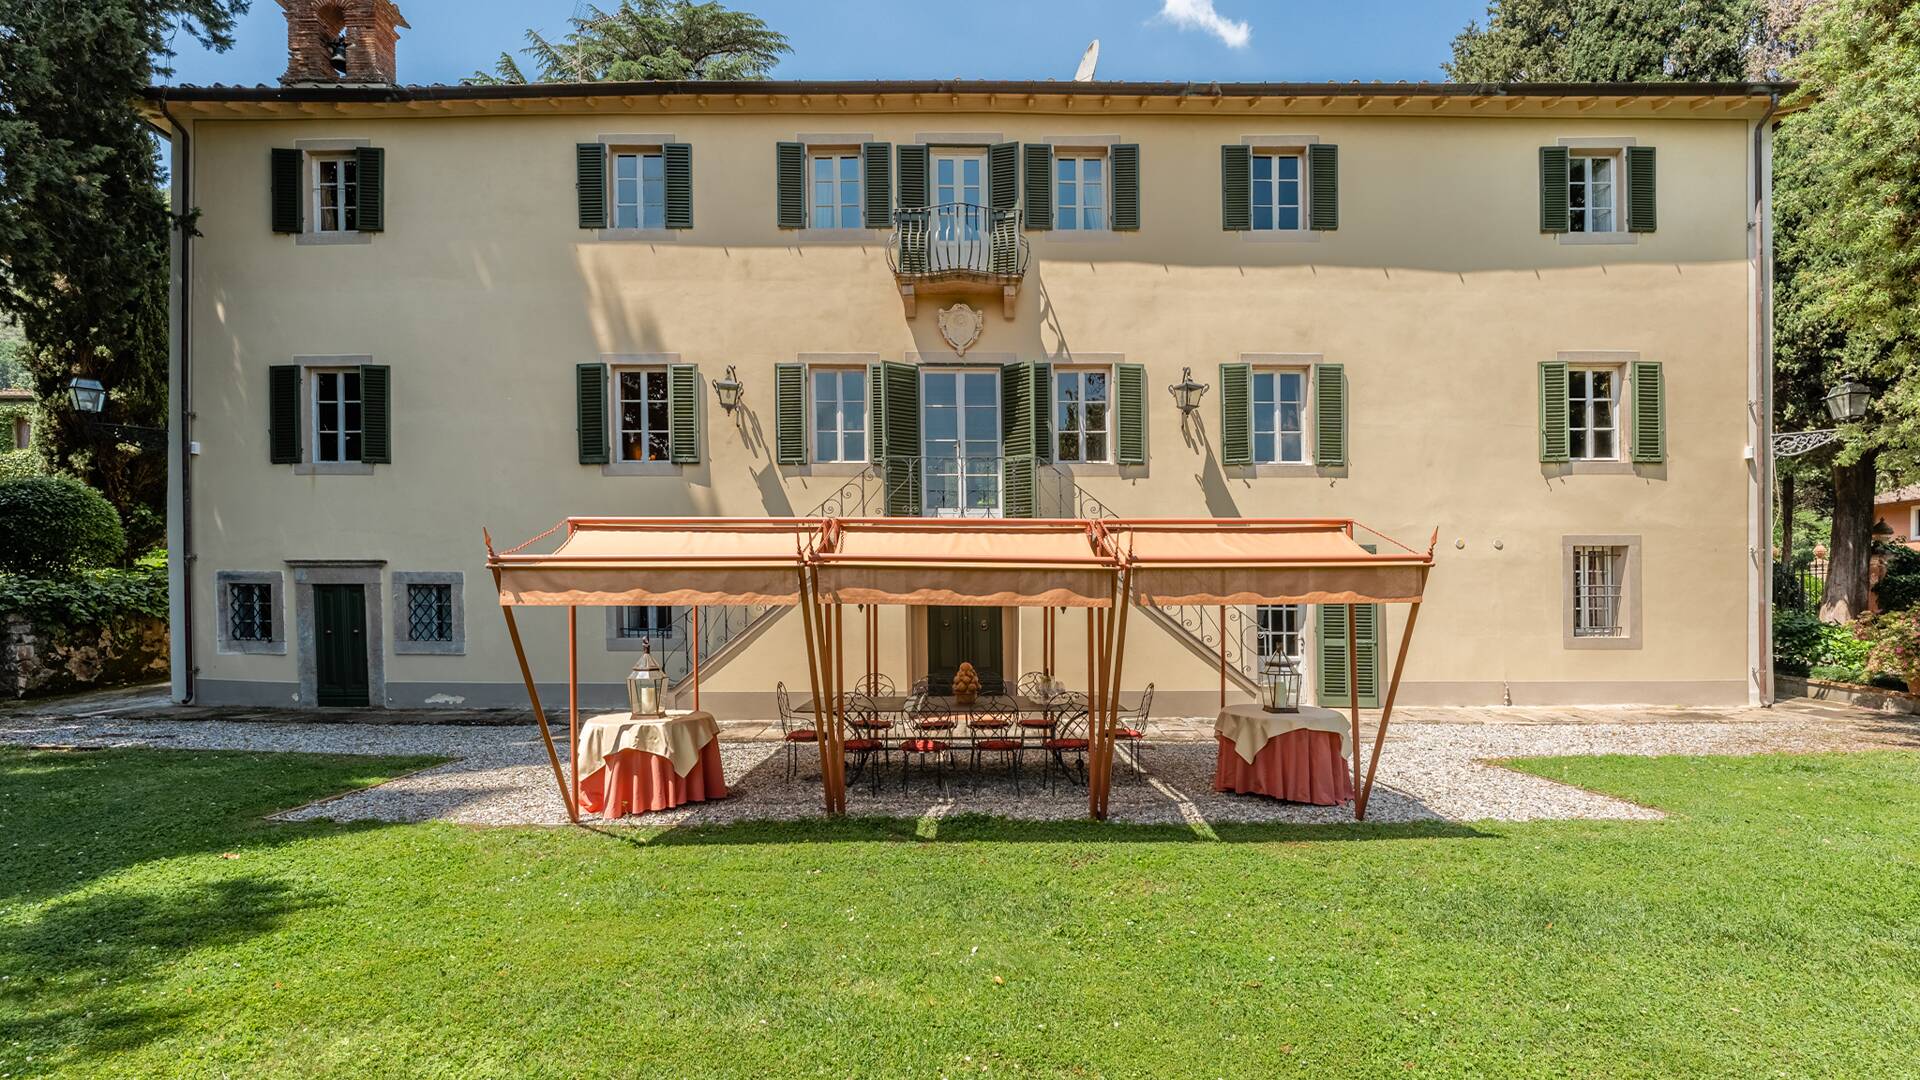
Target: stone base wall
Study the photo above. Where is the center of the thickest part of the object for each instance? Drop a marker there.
(42, 659)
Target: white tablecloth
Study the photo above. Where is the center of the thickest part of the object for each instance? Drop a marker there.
(676, 738)
(1250, 727)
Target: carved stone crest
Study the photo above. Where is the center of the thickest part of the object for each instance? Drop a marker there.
(961, 326)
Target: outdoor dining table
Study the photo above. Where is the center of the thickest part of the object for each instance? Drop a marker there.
(1297, 756)
(947, 704)
(629, 766)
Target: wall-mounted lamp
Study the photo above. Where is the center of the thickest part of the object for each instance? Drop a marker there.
(1848, 401)
(1187, 393)
(88, 396)
(727, 389)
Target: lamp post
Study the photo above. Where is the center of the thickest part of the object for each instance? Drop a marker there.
(1187, 393)
(89, 399)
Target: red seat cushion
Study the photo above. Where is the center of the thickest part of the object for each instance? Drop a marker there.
(988, 724)
(1065, 744)
(998, 744)
(860, 745)
(801, 736)
(925, 746)
(1129, 733)
(1048, 725)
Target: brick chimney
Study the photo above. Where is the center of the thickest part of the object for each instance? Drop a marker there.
(363, 32)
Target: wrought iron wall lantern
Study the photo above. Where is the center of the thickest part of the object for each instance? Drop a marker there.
(1187, 393)
(1846, 402)
(728, 389)
(89, 399)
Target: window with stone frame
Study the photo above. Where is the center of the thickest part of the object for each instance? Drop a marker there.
(249, 612)
(336, 193)
(430, 612)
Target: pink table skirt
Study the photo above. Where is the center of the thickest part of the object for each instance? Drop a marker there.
(1300, 766)
(634, 781)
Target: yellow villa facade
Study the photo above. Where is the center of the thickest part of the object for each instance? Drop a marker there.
(1522, 321)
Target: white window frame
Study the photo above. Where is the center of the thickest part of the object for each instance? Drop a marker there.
(343, 189)
(1913, 522)
(839, 372)
(640, 202)
(1276, 371)
(1105, 431)
(964, 469)
(617, 423)
(1599, 584)
(846, 215)
(340, 400)
(1079, 184)
(1264, 638)
(626, 627)
(1254, 185)
(1580, 410)
(1580, 218)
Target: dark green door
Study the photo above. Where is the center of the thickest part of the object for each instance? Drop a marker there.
(957, 634)
(340, 645)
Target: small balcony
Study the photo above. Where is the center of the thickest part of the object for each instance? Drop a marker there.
(957, 248)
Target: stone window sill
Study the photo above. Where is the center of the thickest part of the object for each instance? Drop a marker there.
(652, 236)
(641, 468)
(331, 239)
(333, 468)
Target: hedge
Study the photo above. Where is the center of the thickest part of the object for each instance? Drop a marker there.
(55, 524)
(89, 598)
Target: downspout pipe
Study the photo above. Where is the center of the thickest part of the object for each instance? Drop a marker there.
(1760, 221)
(183, 405)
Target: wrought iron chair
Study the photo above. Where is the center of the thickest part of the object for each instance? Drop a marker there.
(875, 685)
(991, 730)
(1131, 731)
(1068, 738)
(860, 747)
(931, 733)
(795, 730)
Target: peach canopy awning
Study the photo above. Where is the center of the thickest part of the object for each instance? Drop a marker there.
(614, 561)
(975, 562)
(1227, 561)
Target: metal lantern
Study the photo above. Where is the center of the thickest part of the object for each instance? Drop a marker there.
(1280, 684)
(88, 395)
(1187, 393)
(646, 685)
(1847, 401)
(728, 390)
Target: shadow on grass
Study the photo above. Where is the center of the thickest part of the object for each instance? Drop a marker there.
(79, 968)
(980, 828)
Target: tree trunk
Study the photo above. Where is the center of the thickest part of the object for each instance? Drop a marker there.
(1845, 598)
(1786, 522)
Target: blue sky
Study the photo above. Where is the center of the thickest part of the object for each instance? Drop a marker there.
(1201, 40)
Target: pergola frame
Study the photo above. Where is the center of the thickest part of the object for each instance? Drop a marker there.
(823, 565)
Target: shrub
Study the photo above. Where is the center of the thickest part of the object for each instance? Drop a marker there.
(1900, 588)
(89, 598)
(1893, 644)
(19, 464)
(56, 524)
(1798, 640)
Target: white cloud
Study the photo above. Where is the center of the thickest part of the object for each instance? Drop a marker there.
(1200, 15)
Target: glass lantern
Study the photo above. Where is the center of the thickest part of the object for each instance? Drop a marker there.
(646, 685)
(1280, 684)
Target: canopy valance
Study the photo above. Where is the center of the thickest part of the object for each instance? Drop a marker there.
(603, 562)
(1226, 561)
(969, 562)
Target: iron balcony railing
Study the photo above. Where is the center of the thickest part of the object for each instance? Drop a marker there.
(957, 241)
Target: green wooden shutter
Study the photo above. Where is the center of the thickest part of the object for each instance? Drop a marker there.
(1330, 414)
(283, 414)
(901, 466)
(1124, 162)
(590, 182)
(1553, 189)
(678, 162)
(912, 159)
(1236, 413)
(284, 174)
(1037, 210)
(1649, 431)
(683, 414)
(1236, 188)
(590, 416)
(790, 414)
(376, 414)
(876, 173)
(1016, 410)
(1642, 204)
(1323, 187)
(1003, 175)
(1331, 620)
(1553, 411)
(370, 176)
(790, 185)
(1130, 414)
(1043, 413)
(876, 414)
(1016, 487)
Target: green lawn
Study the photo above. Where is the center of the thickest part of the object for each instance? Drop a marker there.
(151, 923)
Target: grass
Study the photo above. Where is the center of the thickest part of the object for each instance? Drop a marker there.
(152, 923)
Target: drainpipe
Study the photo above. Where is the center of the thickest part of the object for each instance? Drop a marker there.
(183, 406)
(1760, 221)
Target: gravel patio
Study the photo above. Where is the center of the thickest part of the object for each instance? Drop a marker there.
(1438, 763)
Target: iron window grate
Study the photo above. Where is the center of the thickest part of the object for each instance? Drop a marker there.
(430, 612)
(250, 613)
(1596, 591)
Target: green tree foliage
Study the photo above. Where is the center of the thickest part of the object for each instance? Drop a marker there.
(644, 40)
(83, 230)
(1608, 41)
(56, 524)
